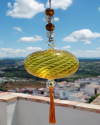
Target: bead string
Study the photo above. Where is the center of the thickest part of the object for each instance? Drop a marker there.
(50, 27)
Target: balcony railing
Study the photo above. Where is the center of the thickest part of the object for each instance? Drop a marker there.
(24, 109)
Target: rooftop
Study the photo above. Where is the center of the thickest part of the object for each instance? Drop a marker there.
(94, 86)
(77, 94)
(64, 82)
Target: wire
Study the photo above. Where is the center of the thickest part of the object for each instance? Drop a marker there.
(50, 3)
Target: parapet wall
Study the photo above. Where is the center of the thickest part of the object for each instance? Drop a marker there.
(24, 109)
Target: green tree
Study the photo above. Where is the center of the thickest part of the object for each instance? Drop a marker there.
(93, 97)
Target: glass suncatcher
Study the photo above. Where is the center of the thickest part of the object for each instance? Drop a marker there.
(51, 64)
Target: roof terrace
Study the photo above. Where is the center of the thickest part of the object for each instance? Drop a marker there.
(24, 109)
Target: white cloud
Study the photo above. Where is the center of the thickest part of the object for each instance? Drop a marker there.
(15, 33)
(56, 48)
(25, 9)
(81, 35)
(9, 5)
(87, 53)
(69, 39)
(9, 52)
(98, 48)
(1, 41)
(56, 19)
(30, 39)
(63, 4)
(33, 48)
(18, 29)
(66, 47)
(6, 49)
(85, 34)
(99, 8)
(87, 42)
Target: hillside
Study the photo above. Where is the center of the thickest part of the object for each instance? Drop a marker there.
(15, 68)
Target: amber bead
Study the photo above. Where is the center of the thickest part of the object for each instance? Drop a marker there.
(49, 12)
(50, 27)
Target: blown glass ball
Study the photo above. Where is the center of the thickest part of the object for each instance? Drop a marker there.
(49, 19)
(51, 64)
(50, 34)
(49, 12)
(50, 27)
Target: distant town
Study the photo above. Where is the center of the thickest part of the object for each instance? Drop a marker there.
(81, 90)
(79, 87)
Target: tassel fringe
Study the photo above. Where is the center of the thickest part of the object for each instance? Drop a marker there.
(52, 119)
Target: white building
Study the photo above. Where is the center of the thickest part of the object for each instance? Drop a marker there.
(41, 91)
(61, 84)
(63, 94)
(57, 91)
(94, 82)
(95, 78)
(1, 80)
(92, 89)
(83, 82)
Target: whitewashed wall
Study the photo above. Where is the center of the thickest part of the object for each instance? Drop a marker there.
(89, 90)
(94, 82)
(62, 96)
(23, 112)
(12, 114)
(3, 113)
(33, 113)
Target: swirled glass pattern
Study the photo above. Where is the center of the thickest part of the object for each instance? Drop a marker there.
(51, 64)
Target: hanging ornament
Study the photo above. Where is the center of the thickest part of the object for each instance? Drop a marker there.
(51, 64)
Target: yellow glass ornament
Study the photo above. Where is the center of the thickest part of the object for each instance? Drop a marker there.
(51, 64)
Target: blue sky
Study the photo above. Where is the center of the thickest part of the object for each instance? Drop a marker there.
(22, 27)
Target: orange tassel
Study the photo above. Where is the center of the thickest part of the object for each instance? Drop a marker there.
(52, 118)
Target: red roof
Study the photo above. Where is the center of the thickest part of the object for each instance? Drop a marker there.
(68, 84)
(39, 94)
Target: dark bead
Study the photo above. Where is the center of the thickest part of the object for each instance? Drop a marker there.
(49, 12)
(50, 27)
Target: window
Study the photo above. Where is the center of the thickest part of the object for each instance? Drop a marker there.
(64, 93)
